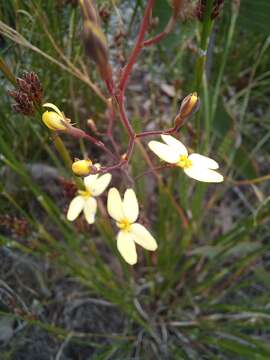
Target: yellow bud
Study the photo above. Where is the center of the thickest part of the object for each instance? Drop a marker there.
(82, 167)
(53, 120)
(189, 104)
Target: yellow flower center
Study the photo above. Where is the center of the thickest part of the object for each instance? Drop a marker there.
(85, 193)
(124, 224)
(184, 162)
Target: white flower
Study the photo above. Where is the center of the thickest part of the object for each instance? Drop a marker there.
(95, 185)
(125, 213)
(196, 166)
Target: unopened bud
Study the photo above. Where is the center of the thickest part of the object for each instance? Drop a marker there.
(82, 167)
(189, 106)
(92, 125)
(124, 157)
(55, 120)
(89, 11)
(95, 41)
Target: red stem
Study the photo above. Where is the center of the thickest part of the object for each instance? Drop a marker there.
(123, 115)
(79, 133)
(161, 35)
(154, 39)
(137, 48)
(156, 132)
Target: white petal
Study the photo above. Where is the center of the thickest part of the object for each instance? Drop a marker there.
(130, 206)
(90, 209)
(115, 205)
(126, 247)
(75, 207)
(176, 144)
(100, 184)
(165, 152)
(54, 107)
(204, 174)
(88, 181)
(143, 237)
(203, 161)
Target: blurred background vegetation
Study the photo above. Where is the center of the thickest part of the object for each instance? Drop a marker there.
(64, 291)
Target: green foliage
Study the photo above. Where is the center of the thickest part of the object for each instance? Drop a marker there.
(204, 294)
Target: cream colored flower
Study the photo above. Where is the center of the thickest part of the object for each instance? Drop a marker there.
(55, 120)
(125, 213)
(196, 166)
(95, 185)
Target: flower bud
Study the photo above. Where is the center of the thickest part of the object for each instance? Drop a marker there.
(95, 41)
(89, 11)
(189, 105)
(55, 120)
(82, 167)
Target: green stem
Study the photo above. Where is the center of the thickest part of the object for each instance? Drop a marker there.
(223, 62)
(65, 155)
(206, 29)
(200, 64)
(62, 151)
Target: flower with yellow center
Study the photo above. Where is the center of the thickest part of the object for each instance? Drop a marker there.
(82, 167)
(85, 201)
(55, 120)
(125, 213)
(196, 166)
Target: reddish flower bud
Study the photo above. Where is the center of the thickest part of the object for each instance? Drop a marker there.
(189, 105)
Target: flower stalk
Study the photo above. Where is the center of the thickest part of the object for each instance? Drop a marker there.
(202, 54)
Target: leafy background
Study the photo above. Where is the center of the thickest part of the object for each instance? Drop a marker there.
(64, 291)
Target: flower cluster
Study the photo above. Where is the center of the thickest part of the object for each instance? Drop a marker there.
(96, 179)
(125, 211)
(85, 201)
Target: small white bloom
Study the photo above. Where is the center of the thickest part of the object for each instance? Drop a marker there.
(95, 185)
(196, 166)
(125, 213)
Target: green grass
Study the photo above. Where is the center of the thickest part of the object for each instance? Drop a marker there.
(204, 293)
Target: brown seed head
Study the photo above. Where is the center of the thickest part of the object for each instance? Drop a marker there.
(29, 92)
(201, 8)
